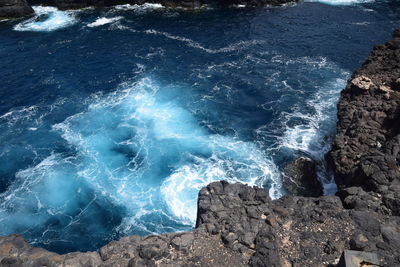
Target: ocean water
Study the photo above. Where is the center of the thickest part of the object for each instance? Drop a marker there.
(111, 120)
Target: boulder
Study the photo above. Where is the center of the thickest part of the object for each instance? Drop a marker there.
(300, 178)
(352, 258)
(361, 83)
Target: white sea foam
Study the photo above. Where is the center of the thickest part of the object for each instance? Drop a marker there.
(189, 42)
(239, 6)
(363, 23)
(312, 135)
(146, 7)
(47, 19)
(306, 121)
(143, 6)
(305, 112)
(140, 150)
(341, 2)
(30, 117)
(166, 132)
(306, 128)
(306, 136)
(103, 21)
(43, 188)
(231, 160)
(18, 115)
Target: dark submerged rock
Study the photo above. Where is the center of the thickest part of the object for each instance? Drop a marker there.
(300, 178)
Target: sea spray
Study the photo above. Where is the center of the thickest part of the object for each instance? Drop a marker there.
(137, 152)
(103, 21)
(341, 2)
(47, 19)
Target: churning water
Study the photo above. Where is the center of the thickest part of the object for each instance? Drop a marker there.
(112, 120)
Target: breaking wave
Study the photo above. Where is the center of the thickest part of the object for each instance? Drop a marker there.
(341, 2)
(140, 8)
(307, 128)
(103, 21)
(135, 156)
(47, 19)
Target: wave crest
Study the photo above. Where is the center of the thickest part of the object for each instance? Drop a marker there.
(47, 19)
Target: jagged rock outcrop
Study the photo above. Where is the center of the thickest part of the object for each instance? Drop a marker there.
(14, 8)
(300, 178)
(20, 8)
(366, 149)
(238, 225)
(73, 4)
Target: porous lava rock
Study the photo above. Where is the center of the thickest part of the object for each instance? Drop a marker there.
(300, 178)
(366, 148)
(188, 4)
(238, 225)
(14, 8)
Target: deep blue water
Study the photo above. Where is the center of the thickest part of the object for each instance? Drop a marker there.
(111, 120)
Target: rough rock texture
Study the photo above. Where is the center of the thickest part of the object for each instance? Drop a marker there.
(238, 225)
(189, 4)
(14, 8)
(72, 4)
(20, 8)
(300, 178)
(366, 149)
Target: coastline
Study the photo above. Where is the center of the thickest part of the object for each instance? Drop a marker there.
(238, 225)
(21, 8)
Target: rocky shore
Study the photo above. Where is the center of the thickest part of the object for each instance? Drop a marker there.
(366, 149)
(238, 225)
(21, 8)
(14, 8)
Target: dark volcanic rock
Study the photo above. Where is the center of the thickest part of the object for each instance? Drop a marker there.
(300, 178)
(190, 4)
(239, 226)
(76, 4)
(366, 149)
(14, 8)
(252, 3)
(20, 8)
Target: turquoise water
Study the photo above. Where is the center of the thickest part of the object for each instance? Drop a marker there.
(111, 120)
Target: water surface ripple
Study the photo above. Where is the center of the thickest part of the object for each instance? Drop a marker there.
(111, 120)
